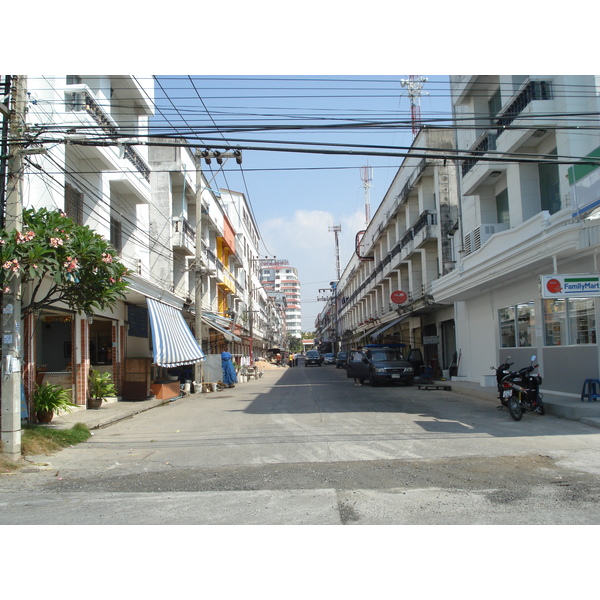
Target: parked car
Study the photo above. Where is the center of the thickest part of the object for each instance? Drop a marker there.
(340, 360)
(312, 357)
(329, 358)
(380, 363)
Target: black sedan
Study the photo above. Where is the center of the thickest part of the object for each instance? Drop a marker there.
(312, 357)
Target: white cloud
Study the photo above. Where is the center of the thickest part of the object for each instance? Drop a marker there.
(306, 242)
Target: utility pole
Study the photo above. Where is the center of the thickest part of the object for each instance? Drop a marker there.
(366, 174)
(336, 230)
(207, 155)
(198, 371)
(251, 308)
(11, 298)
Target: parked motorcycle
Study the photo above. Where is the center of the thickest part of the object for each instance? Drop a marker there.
(501, 371)
(521, 391)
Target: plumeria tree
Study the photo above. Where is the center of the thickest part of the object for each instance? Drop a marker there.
(60, 262)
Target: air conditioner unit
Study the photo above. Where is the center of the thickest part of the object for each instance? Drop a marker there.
(479, 236)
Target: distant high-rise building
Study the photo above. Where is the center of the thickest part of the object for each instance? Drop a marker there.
(277, 277)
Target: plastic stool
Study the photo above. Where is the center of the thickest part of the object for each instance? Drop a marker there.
(591, 390)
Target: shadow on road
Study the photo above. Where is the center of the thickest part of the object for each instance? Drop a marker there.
(327, 390)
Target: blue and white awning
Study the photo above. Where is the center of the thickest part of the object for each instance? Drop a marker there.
(173, 341)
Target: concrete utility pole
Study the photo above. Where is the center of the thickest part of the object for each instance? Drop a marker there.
(336, 230)
(11, 299)
(198, 371)
(207, 155)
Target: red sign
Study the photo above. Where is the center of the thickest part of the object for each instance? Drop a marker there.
(553, 286)
(399, 297)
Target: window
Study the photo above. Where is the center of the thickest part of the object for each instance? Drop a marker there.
(569, 321)
(116, 235)
(549, 185)
(494, 105)
(502, 211)
(74, 204)
(507, 327)
(517, 326)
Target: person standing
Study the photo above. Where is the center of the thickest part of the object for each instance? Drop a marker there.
(229, 375)
(356, 356)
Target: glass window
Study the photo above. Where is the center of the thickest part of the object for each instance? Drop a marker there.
(555, 320)
(507, 327)
(569, 321)
(549, 185)
(494, 105)
(502, 210)
(526, 324)
(517, 326)
(582, 321)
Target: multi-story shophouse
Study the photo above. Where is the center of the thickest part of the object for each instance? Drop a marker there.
(279, 303)
(106, 186)
(278, 276)
(250, 305)
(326, 335)
(204, 276)
(385, 291)
(143, 197)
(527, 281)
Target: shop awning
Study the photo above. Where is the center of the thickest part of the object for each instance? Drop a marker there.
(173, 341)
(385, 327)
(228, 334)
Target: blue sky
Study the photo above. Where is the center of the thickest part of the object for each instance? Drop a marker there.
(297, 197)
(294, 208)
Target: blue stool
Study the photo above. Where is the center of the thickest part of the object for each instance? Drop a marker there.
(591, 390)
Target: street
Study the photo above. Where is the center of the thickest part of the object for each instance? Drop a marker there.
(305, 446)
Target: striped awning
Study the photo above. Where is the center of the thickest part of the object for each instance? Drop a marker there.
(173, 341)
(229, 335)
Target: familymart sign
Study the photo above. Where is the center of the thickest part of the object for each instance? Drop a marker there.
(563, 286)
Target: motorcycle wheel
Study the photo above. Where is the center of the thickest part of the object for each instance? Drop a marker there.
(540, 410)
(514, 408)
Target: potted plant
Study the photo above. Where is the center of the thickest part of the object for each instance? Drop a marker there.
(100, 386)
(49, 399)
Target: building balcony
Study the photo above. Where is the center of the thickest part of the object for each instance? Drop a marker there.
(484, 144)
(88, 112)
(425, 229)
(184, 236)
(527, 115)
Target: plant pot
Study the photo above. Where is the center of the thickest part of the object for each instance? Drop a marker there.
(44, 416)
(94, 403)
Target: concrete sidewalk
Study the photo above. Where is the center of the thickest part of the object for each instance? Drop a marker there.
(557, 406)
(108, 414)
(112, 412)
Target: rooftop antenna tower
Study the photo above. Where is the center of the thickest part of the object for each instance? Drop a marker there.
(336, 230)
(366, 174)
(415, 89)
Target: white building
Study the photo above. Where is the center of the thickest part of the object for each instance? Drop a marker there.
(385, 291)
(97, 173)
(277, 276)
(145, 197)
(528, 209)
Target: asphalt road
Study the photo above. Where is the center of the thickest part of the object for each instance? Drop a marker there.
(305, 446)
